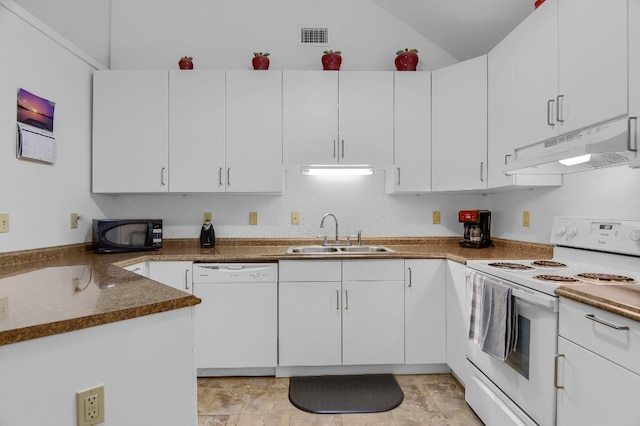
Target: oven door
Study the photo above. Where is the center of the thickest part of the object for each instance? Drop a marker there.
(525, 378)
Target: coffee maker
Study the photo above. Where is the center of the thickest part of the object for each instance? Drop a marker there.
(477, 228)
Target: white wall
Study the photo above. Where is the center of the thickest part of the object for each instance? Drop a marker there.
(611, 192)
(86, 23)
(40, 197)
(146, 365)
(224, 35)
(358, 202)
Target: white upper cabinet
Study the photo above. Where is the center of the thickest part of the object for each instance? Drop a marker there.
(254, 131)
(459, 126)
(412, 132)
(523, 82)
(593, 62)
(341, 117)
(130, 131)
(634, 82)
(366, 117)
(310, 117)
(196, 131)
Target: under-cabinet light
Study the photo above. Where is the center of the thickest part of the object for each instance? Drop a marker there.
(336, 170)
(575, 160)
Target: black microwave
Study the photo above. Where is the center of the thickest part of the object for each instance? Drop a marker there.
(125, 235)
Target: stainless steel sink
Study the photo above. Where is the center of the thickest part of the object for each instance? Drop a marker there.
(312, 250)
(338, 250)
(366, 249)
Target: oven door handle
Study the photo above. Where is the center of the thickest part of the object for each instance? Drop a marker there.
(548, 302)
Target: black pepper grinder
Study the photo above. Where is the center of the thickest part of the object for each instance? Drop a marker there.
(207, 235)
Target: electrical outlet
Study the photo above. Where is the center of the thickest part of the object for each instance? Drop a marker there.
(207, 216)
(4, 222)
(295, 218)
(436, 217)
(90, 404)
(526, 218)
(73, 220)
(253, 218)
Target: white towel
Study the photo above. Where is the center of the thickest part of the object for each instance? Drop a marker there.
(492, 316)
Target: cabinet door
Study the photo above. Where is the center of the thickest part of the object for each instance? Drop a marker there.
(593, 62)
(309, 323)
(310, 117)
(424, 312)
(523, 78)
(457, 320)
(139, 268)
(634, 82)
(459, 126)
(412, 132)
(130, 131)
(254, 131)
(236, 325)
(596, 391)
(366, 117)
(174, 274)
(372, 322)
(196, 131)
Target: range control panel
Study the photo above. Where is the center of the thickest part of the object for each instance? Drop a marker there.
(610, 235)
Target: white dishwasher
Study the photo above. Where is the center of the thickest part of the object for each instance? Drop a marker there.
(236, 325)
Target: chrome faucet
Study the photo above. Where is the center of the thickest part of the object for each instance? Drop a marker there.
(335, 219)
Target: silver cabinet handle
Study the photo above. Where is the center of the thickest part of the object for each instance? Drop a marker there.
(228, 176)
(220, 177)
(342, 148)
(186, 279)
(337, 300)
(559, 108)
(410, 277)
(346, 299)
(550, 112)
(162, 173)
(507, 158)
(398, 182)
(482, 171)
(635, 134)
(592, 317)
(555, 372)
(334, 148)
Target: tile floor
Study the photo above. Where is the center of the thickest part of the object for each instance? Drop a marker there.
(434, 399)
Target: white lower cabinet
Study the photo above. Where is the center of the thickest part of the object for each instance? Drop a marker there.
(140, 268)
(598, 367)
(424, 316)
(457, 320)
(337, 312)
(175, 274)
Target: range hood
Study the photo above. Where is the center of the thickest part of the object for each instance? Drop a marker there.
(605, 144)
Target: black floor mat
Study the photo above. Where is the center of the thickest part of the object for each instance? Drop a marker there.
(371, 393)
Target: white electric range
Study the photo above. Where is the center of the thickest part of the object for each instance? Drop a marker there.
(520, 390)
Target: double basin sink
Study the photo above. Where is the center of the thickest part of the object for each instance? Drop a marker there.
(329, 250)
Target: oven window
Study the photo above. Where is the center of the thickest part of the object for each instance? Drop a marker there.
(519, 359)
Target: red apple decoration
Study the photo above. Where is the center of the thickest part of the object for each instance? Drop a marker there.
(538, 3)
(331, 60)
(407, 60)
(260, 61)
(186, 63)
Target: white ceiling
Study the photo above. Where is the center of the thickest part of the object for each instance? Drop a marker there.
(464, 28)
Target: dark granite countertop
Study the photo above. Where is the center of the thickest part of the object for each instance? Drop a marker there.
(61, 289)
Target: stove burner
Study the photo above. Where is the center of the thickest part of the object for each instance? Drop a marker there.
(548, 264)
(606, 278)
(508, 265)
(557, 278)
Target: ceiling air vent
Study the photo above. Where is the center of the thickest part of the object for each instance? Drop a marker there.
(314, 36)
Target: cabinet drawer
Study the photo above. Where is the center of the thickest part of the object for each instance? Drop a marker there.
(373, 270)
(579, 323)
(310, 270)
